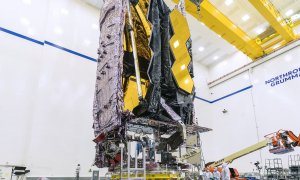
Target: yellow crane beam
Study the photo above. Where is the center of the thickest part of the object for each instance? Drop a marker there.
(270, 13)
(221, 25)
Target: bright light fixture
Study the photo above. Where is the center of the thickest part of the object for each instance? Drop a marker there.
(58, 30)
(26, 1)
(259, 30)
(176, 44)
(25, 21)
(279, 18)
(246, 76)
(246, 17)
(201, 49)
(216, 57)
(276, 46)
(289, 12)
(228, 2)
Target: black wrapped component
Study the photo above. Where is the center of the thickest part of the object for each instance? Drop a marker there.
(167, 158)
(128, 66)
(134, 2)
(190, 66)
(154, 71)
(175, 140)
(197, 2)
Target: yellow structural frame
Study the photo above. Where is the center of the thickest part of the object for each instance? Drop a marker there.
(270, 13)
(221, 25)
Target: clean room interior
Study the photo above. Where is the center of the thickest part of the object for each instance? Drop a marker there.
(246, 75)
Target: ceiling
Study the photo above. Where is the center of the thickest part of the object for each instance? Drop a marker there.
(208, 47)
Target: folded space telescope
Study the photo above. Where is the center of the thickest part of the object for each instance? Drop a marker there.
(144, 78)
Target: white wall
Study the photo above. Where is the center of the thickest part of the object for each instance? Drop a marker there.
(47, 93)
(200, 79)
(229, 64)
(252, 113)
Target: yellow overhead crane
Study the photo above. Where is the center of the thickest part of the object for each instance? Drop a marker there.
(220, 24)
(271, 14)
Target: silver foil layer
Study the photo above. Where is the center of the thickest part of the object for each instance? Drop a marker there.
(108, 99)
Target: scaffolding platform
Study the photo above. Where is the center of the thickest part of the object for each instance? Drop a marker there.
(274, 169)
(294, 166)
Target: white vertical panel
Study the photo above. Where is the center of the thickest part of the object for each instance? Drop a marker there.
(202, 108)
(47, 93)
(63, 115)
(19, 71)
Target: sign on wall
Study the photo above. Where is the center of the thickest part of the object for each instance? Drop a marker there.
(284, 77)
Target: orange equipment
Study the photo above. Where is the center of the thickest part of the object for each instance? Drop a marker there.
(282, 141)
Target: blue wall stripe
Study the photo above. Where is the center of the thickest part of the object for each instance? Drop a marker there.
(202, 99)
(95, 60)
(231, 94)
(226, 96)
(21, 36)
(48, 43)
(70, 51)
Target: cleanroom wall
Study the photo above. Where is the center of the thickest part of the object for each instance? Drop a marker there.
(258, 101)
(47, 78)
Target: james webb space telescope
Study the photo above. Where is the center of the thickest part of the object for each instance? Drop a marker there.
(144, 88)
